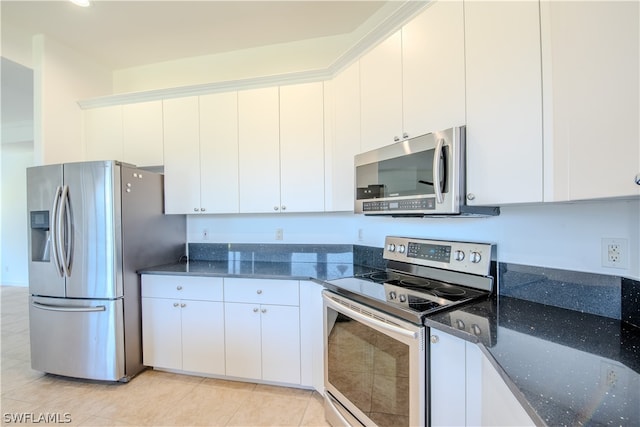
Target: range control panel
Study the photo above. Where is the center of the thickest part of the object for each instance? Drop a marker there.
(466, 257)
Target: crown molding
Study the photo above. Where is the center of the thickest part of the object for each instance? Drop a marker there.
(392, 23)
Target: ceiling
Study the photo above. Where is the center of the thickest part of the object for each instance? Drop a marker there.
(122, 34)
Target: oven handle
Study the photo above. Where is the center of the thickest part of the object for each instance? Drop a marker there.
(437, 184)
(364, 318)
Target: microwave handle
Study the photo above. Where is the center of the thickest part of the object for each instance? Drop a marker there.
(437, 185)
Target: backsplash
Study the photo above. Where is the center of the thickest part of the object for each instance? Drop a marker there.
(603, 295)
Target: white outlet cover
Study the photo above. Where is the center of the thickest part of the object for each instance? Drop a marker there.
(623, 252)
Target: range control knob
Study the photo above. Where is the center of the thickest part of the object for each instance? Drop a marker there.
(458, 255)
(403, 298)
(392, 295)
(475, 257)
(401, 249)
(391, 247)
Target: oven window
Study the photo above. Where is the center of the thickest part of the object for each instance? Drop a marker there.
(408, 175)
(370, 369)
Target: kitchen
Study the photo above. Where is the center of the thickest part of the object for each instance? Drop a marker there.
(549, 235)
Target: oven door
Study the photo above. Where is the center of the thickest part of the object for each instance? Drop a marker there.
(375, 366)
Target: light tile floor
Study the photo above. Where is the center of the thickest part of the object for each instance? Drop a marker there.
(153, 398)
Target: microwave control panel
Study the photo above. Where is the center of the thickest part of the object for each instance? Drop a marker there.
(420, 204)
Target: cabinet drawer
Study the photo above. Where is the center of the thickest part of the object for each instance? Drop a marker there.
(182, 287)
(261, 291)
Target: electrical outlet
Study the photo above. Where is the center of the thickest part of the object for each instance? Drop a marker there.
(615, 252)
(612, 376)
(205, 234)
(360, 235)
(279, 233)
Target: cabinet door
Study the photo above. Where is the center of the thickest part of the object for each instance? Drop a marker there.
(203, 337)
(504, 102)
(219, 192)
(242, 340)
(142, 133)
(280, 343)
(433, 92)
(591, 82)
(447, 376)
(345, 141)
(161, 333)
(381, 94)
(259, 152)
(302, 147)
(103, 133)
(182, 154)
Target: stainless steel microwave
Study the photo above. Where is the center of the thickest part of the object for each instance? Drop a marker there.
(416, 177)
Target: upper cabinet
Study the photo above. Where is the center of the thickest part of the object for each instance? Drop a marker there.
(201, 152)
(591, 99)
(433, 91)
(281, 149)
(343, 115)
(142, 133)
(503, 102)
(381, 94)
(302, 147)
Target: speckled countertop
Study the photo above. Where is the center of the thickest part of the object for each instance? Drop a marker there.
(567, 368)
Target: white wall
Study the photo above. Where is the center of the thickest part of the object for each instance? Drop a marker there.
(61, 78)
(16, 157)
(566, 236)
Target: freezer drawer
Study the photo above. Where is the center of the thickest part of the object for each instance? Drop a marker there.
(78, 338)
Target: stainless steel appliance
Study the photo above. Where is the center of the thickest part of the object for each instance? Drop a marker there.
(376, 358)
(92, 225)
(416, 177)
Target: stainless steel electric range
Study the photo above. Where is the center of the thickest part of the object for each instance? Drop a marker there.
(375, 350)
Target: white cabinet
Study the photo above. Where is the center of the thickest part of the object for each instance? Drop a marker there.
(462, 377)
(344, 143)
(311, 336)
(259, 150)
(433, 92)
(381, 94)
(183, 323)
(103, 133)
(142, 133)
(262, 326)
(591, 88)
(201, 154)
(504, 102)
(302, 147)
(281, 149)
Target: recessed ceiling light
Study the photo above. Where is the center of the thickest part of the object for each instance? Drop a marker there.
(83, 3)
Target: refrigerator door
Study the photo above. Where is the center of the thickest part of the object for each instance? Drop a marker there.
(77, 338)
(44, 187)
(90, 211)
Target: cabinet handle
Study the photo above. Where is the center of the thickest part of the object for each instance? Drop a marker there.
(434, 339)
(175, 304)
(202, 209)
(259, 291)
(471, 196)
(179, 287)
(396, 139)
(284, 208)
(195, 209)
(275, 208)
(637, 179)
(405, 135)
(183, 305)
(264, 310)
(255, 310)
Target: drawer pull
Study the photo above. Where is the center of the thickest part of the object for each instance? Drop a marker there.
(175, 304)
(259, 291)
(255, 310)
(179, 287)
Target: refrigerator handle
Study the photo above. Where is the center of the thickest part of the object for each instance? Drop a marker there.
(63, 228)
(54, 232)
(67, 308)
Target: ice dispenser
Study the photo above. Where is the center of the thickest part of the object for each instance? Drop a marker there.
(40, 236)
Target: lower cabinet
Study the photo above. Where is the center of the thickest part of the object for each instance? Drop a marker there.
(182, 324)
(262, 328)
(461, 376)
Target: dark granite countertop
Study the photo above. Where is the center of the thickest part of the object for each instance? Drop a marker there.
(567, 368)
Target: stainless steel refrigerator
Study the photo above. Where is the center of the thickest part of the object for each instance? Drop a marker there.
(92, 226)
